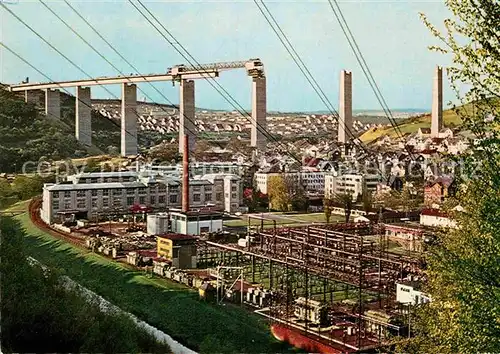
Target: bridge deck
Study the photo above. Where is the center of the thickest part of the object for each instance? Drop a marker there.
(113, 80)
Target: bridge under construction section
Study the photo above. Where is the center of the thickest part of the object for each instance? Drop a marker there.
(183, 74)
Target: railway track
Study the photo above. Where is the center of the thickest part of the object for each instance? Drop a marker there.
(34, 211)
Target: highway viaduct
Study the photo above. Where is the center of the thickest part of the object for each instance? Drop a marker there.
(183, 74)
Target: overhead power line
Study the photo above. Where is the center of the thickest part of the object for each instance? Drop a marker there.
(212, 81)
(305, 71)
(118, 53)
(45, 76)
(300, 63)
(366, 70)
(70, 61)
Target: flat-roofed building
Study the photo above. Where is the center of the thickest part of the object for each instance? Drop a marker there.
(96, 193)
(355, 184)
(195, 222)
(178, 249)
(409, 292)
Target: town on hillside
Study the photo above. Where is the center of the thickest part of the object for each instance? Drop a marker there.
(133, 224)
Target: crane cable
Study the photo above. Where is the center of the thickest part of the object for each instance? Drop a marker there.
(306, 72)
(367, 72)
(190, 59)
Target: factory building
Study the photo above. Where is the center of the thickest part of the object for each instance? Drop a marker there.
(89, 194)
(188, 223)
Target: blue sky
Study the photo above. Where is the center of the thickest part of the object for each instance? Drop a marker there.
(390, 34)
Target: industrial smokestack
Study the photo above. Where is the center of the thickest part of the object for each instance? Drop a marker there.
(185, 175)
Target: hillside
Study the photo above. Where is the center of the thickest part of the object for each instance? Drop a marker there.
(27, 136)
(105, 131)
(411, 125)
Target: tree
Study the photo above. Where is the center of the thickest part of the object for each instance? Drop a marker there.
(27, 187)
(408, 199)
(6, 193)
(92, 165)
(464, 264)
(165, 152)
(344, 200)
(237, 146)
(279, 197)
(201, 149)
(367, 201)
(299, 200)
(327, 209)
(252, 198)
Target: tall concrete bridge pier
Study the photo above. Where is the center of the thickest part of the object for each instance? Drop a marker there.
(183, 74)
(345, 107)
(437, 102)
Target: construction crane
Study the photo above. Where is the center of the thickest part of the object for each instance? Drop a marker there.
(254, 68)
(183, 74)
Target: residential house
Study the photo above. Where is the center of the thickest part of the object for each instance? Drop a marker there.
(438, 189)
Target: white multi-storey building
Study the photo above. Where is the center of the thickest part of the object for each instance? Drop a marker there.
(354, 184)
(91, 193)
(409, 293)
(312, 181)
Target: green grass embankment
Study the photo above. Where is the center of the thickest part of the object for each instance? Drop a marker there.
(170, 307)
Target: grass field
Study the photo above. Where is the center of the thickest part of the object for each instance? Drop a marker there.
(286, 220)
(20, 206)
(169, 306)
(411, 125)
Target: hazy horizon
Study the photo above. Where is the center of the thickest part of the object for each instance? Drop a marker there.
(391, 36)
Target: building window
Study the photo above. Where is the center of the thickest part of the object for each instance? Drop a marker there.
(208, 188)
(117, 192)
(94, 193)
(105, 202)
(94, 203)
(55, 204)
(67, 205)
(233, 195)
(218, 197)
(161, 199)
(55, 195)
(173, 198)
(208, 196)
(152, 200)
(233, 189)
(80, 193)
(105, 192)
(67, 194)
(81, 204)
(162, 188)
(130, 191)
(196, 197)
(130, 201)
(142, 191)
(142, 200)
